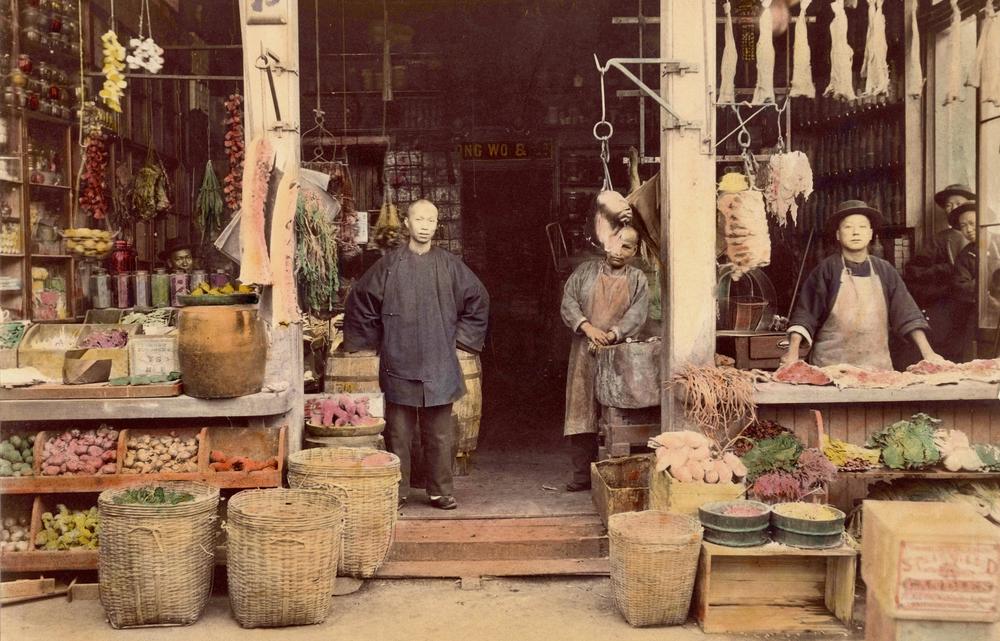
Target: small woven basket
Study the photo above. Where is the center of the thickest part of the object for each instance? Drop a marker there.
(156, 562)
(654, 560)
(371, 505)
(282, 556)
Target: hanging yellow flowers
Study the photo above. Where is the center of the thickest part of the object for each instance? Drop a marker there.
(114, 66)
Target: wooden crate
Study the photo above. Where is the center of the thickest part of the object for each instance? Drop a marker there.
(620, 485)
(775, 589)
(879, 626)
(624, 429)
(671, 495)
(32, 351)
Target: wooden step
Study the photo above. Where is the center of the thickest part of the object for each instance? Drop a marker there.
(460, 569)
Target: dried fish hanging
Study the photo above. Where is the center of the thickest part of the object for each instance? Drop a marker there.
(953, 88)
(802, 82)
(764, 91)
(875, 68)
(985, 71)
(914, 70)
(727, 86)
(841, 56)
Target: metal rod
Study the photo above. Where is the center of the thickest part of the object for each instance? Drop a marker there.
(618, 63)
(159, 76)
(200, 47)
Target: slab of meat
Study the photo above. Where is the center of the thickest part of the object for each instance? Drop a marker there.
(727, 86)
(928, 367)
(802, 81)
(764, 92)
(849, 376)
(255, 266)
(748, 244)
(801, 373)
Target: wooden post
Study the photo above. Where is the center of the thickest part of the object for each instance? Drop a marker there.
(273, 28)
(687, 179)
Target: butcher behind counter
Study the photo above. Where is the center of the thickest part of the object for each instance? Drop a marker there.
(852, 300)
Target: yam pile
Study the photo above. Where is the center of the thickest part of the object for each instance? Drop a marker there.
(689, 456)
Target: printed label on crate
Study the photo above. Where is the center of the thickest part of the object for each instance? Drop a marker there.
(153, 356)
(955, 577)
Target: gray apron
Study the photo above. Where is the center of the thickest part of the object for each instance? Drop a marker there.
(857, 329)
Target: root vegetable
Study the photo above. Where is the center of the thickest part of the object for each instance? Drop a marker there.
(700, 453)
(724, 472)
(662, 463)
(677, 458)
(681, 474)
(735, 464)
(696, 470)
(694, 439)
(711, 476)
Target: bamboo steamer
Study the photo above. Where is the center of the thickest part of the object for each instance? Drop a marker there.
(222, 350)
(350, 373)
(468, 410)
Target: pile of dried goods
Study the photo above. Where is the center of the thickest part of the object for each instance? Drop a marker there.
(146, 454)
(688, 456)
(807, 511)
(152, 496)
(233, 182)
(104, 338)
(66, 530)
(340, 411)
(76, 452)
(17, 455)
(14, 535)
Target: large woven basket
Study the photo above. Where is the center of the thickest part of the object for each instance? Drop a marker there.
(156, 561)
(372, 500)
(282, 556)
(654, 560)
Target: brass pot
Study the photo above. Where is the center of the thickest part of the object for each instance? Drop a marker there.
(222, 350)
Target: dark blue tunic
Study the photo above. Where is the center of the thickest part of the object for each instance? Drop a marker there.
(414, 310)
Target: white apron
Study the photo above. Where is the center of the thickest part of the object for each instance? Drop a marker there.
(857, 329)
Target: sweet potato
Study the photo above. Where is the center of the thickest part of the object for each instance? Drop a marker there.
(220, 466)
(696, 470)
(681, 473)
(329, 409)
(700, 453)
(735, 464)
(694, 439)
(711, 476)
(216, 456)
(724, 471)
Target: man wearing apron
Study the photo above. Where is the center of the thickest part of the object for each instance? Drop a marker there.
(604, 302)
(852, 300)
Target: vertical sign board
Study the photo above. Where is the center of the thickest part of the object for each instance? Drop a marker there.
(949, 577)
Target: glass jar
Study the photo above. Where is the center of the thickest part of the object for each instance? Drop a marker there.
(142, 291)
(218, 279)
(178, 286)
(122, 258)
(123, 290)
(100, 289)
(198, 276)
(160, 287)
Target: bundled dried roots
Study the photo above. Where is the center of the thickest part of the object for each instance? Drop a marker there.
(715, 397)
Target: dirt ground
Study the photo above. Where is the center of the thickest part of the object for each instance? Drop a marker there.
(538, 609)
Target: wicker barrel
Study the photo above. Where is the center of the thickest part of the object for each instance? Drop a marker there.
(156, 561)
(371, 505)
(654, 560)
(282, 556)
(352, 373)
(468, 410)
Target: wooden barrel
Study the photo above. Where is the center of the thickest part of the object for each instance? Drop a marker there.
(468, 410)
(346, 372)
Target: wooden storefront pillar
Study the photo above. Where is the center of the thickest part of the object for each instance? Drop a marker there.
(271, 31)
(687, 181)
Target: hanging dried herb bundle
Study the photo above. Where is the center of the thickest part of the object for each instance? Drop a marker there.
(148, 192)
(210, 205)
(715, 397)
(315, 255)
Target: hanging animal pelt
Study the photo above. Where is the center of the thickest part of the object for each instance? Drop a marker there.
(802, 81)
(764, 92)
(875, 68)
(727, 86)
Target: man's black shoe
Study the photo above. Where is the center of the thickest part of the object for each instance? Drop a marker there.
(444, 502)
(577, 486)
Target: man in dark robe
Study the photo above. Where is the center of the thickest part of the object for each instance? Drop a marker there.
(415, 306)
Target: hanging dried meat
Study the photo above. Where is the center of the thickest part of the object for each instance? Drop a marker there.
(875, 68)
(234, 152)
(841, 56)
(727, 87)
(764, 92)
(284, 302)
(748, 244)
(255, 266)
(985, 71)
(802, 81)
(914, 71)
(790, 176)
(953, 88)
(93, 178)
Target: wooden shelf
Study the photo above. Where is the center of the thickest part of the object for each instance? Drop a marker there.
(45, 186)
(943, 475)
(99, 483)
(43, 561)
(785, 394)
(183, 406)
(52, 256)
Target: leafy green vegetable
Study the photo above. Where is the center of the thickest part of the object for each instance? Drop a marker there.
(908, 444)
(989, 455)
(152, 496)
(771, 454)
(210, 206)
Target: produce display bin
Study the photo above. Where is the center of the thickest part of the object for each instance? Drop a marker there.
(109, 316)
(44, 347)
(117, 355)
(620, 485)
(670, 495)
(153, 355)
(8, 355)
(775, 589)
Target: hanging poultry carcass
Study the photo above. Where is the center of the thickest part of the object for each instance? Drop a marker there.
(875, 68)
(764, 92)
(727, 86)
(841, 56)
(802, 82)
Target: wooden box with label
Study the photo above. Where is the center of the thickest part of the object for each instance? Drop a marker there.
(152, 355)
(931, 561)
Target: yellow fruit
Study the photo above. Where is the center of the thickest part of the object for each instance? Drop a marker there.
(90, 243)
(245, 289)
(197, 292)
(228, 289)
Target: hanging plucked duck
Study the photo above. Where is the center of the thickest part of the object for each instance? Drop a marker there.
(875, 69)
(985, 71)
(802, 82)
(764, 92)
(953, 89)
(727, 87)
(914, 70)
(841, 56)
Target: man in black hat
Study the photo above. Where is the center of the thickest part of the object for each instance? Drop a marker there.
(852, 300)
(960, 304)
(178, 255)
